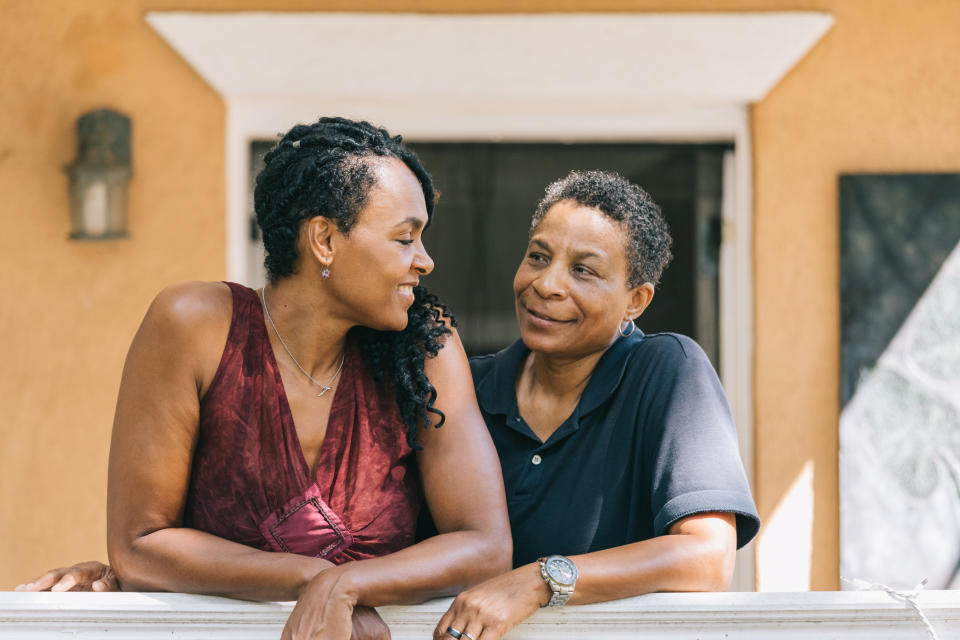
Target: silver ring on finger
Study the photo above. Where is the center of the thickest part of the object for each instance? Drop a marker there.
(468, 636)
(456, 633)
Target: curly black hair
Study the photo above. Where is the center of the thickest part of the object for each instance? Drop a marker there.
(325, 169)
(648, 238)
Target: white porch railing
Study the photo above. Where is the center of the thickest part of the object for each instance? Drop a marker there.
(704, 616)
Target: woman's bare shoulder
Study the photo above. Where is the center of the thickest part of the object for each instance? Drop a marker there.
(449, 370)
(192, 306)
(187, 323)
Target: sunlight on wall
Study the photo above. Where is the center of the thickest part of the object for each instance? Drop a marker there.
(785, 546)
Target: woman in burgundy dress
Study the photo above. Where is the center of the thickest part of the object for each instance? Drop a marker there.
(264, 439)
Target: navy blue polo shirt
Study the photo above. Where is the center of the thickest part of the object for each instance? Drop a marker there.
(651, 441)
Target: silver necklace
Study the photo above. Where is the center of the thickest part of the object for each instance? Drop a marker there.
(323, 387)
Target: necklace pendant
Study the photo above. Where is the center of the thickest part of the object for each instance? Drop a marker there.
(323, 390)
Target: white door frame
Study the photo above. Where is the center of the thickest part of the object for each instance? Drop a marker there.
(247, 123)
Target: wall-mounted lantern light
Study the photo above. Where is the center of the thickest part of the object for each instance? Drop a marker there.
(99, 176)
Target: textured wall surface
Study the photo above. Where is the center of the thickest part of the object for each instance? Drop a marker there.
(70, 308)
(878, 93)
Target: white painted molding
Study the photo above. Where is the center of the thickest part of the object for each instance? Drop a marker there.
(736, 317)
(645, 58)
(705, 616)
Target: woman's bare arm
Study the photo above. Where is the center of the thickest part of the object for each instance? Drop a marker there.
(464, 491)
(696, 555)
(173, 357)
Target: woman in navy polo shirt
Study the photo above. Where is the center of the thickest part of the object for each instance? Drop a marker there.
(618, 450)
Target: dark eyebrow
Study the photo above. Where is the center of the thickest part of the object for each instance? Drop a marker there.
(580, 255)
(414, 221)
(583, 255)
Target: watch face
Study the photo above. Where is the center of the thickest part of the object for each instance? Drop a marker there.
(562, 570)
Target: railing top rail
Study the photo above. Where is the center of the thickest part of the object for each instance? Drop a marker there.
(821, 614)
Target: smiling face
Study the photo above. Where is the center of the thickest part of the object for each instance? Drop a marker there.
(375, 266)
(571, 288)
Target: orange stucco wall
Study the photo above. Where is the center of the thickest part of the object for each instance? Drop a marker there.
(878, 93)
(70, 308)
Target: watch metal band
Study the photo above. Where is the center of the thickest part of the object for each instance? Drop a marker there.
(560, 593)
(558, 599)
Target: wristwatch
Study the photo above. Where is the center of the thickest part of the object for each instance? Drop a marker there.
(560, 574)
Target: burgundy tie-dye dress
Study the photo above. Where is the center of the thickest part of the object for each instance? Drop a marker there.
(250, 482)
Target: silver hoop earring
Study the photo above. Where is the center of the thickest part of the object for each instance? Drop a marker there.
(621, 329)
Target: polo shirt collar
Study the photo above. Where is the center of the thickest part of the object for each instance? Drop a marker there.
(497, 392)
(608, 373)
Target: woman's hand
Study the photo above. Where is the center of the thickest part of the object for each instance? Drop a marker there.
(368, 625)
(84, 576)
(491, 609)
(324, 610)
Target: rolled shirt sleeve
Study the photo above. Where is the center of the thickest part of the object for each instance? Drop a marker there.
(691, 456)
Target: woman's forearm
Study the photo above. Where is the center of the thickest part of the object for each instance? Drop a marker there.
(660, 564)
(698, 557)
(191, 561)
(439, 566)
